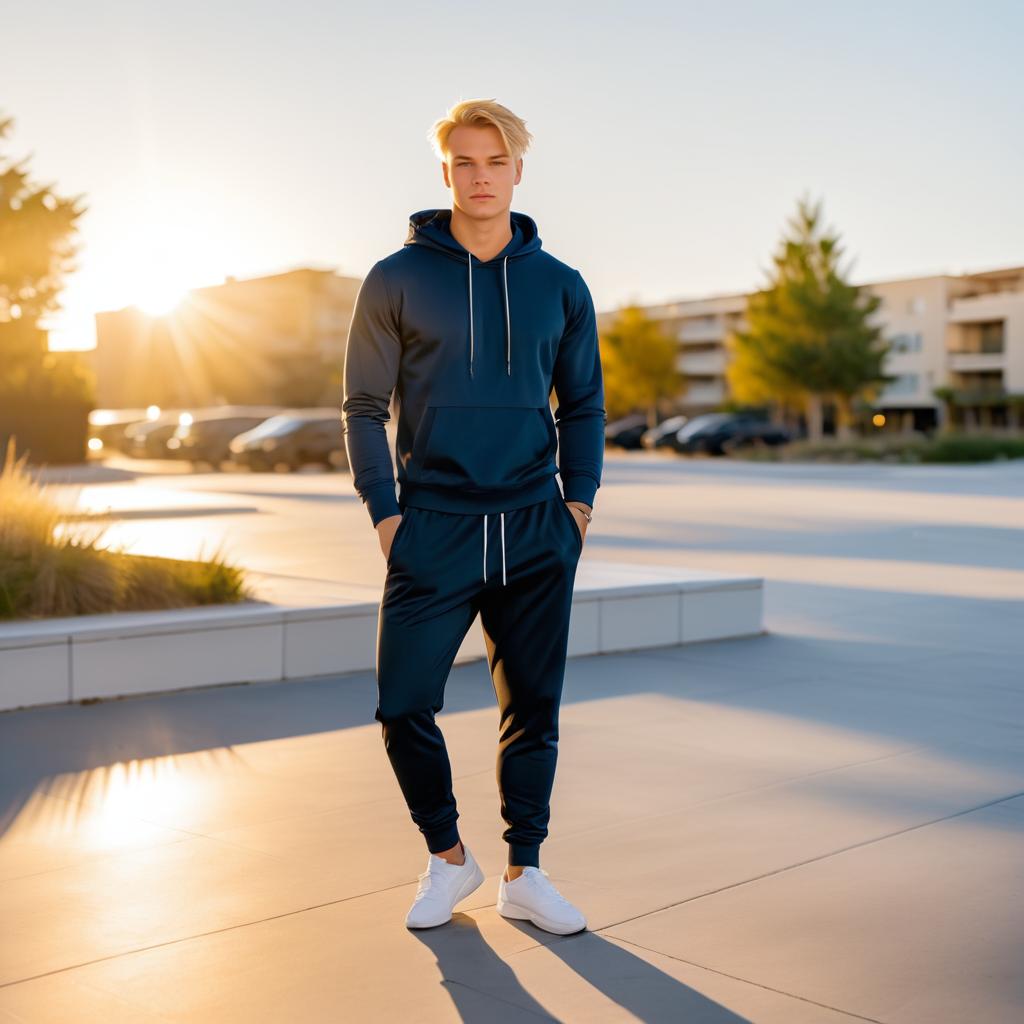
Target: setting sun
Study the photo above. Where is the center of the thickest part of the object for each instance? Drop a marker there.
(161, 274)
(159, 299)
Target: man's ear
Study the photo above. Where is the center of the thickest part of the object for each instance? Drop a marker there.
(444, 172)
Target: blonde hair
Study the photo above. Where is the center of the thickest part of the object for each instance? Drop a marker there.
(481, 113)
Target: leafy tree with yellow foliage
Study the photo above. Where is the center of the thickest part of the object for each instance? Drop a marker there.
(640, 365)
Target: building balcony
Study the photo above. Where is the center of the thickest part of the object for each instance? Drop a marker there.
(980, 308)
(992, 395)
(973, 362)
(702, 394)
(702, 363)
(701, 333)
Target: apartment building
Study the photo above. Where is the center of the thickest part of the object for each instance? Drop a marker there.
(273, 340)
(962, 332)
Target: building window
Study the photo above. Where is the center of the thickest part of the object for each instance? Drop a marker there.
(990, 337)
(907, 341)
(916, 305)
(905, 384)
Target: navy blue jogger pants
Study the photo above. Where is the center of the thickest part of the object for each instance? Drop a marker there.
(517, 570)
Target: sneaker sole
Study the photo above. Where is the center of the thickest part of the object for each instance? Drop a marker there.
(513, 910)
(467, 888)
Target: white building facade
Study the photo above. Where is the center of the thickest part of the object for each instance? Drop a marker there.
(961, 332)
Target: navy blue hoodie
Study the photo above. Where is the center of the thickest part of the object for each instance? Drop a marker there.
(471, 348)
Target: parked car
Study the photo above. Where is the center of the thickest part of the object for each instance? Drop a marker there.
(626, 432)
(292, 439)
(718, 433)
(205, 437)
(664, 433)
(148, 439)
(107, 428)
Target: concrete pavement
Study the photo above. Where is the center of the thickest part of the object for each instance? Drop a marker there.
(820, 824)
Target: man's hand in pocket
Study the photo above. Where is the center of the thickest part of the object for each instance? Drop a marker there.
(581, 519)
(386, 530)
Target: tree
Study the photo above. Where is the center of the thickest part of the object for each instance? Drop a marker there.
(44, 400)
(36, 252)
(640, 364)
(809, 336)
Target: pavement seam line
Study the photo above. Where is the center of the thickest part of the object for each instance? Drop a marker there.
(200, 935)
(812, 860)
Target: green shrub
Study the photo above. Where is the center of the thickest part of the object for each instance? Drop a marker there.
(974, 448)
(896, 448)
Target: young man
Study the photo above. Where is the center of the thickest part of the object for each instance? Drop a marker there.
(473, 323)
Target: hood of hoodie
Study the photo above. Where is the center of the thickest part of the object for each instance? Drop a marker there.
(431, 229)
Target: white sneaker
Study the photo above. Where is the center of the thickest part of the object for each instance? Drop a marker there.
(441, 886)
(533, 897)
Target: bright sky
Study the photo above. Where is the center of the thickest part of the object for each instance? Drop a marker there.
(672, 139)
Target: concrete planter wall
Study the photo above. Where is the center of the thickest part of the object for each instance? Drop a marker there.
(616, 608)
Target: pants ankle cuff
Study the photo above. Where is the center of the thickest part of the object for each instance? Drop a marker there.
(525, 856)
(444, 839)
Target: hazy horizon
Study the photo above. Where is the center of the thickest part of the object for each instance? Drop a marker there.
(671, 141)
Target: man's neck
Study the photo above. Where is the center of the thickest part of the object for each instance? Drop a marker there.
(483, 238)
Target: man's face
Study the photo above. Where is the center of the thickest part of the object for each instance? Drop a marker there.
(478, 165)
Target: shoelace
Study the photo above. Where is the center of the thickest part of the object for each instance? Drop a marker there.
(433, 866)
(424, 876)
(549, 886)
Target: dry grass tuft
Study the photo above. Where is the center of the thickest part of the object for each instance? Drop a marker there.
(46, 571)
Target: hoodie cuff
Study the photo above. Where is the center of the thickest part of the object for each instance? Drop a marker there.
(580, 488)
(382, 502)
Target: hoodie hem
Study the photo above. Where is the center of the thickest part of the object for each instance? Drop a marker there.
(446, 499)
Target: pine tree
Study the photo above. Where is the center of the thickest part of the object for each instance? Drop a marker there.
(808, 331)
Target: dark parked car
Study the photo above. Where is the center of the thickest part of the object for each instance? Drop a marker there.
(292, 439)
(664, 433)
(718, 433)
(206, 436)
(626, 433)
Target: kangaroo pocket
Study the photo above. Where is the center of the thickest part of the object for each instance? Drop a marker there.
(482, 447)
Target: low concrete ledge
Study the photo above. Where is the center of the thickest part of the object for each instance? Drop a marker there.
(616, 607)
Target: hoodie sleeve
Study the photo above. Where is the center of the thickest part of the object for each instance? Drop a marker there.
(579, 387)
(372, 357)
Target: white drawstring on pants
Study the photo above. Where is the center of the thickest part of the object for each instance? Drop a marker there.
(502, 514)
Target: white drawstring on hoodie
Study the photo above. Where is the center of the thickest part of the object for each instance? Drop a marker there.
(508, 315)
